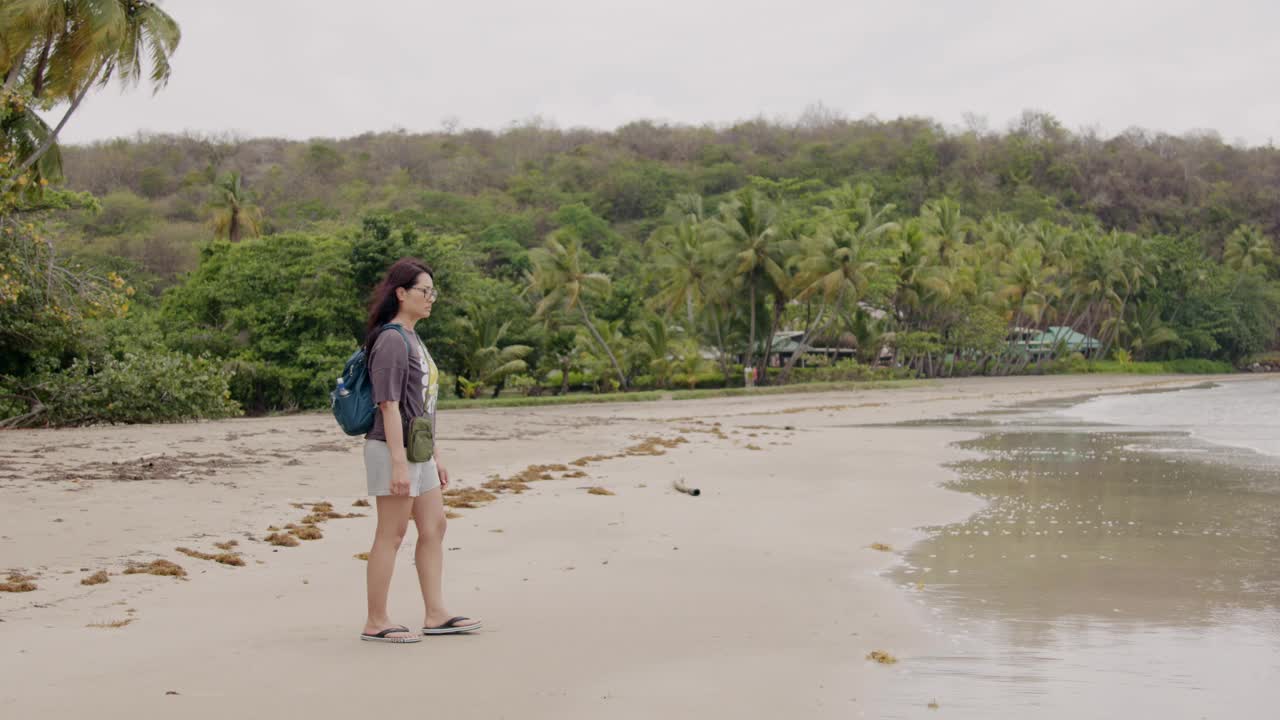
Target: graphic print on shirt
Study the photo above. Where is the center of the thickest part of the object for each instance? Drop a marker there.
(431, 385)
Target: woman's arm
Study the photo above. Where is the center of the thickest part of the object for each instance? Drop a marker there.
(395, 444)
(441, 472)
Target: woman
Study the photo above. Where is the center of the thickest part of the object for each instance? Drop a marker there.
(405, 384)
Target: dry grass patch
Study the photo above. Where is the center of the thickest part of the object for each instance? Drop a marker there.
(451, 515)
(361, 556)
(575, 474)
(881, 547)
(226, 558)
(584, 461)
(753, 446)
(599, 491)
(156, 567)
(18, 583)
(112, 624)
(712, 430)
(655, 445)
(226, 545)
(504, 485)
(360, 503)
(468, 497)
(881, 657)
(519, 482)
(307, 532)
(96, 579)
(282, 539)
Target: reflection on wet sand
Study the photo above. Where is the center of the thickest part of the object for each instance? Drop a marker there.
(1110, 573)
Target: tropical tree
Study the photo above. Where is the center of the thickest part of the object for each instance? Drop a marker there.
(681, 267)
(1146, 333)
(947, 228)
(599, 346)
(689, 362)
(234, 215)
(1248, 250)
(58, 49)
(919, 279)
(838, 266)
(558, 276)
(654, 349)
(750, 241)
(485, 362)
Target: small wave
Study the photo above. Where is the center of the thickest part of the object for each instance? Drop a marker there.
(1242, 415)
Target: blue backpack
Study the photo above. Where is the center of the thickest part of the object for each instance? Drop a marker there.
(352, 400)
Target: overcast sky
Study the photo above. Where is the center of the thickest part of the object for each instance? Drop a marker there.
(336, 68)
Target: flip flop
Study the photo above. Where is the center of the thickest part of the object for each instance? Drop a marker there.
(452, 627)
(382, 636)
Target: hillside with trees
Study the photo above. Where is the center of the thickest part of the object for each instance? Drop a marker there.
(163, 277)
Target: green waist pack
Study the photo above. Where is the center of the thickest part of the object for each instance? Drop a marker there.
(421, 443)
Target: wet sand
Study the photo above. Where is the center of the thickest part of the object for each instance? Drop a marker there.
(1113, 571)
(760, 598)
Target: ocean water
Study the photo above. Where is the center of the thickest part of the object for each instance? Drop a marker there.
(1237, 414)
(1127, 564)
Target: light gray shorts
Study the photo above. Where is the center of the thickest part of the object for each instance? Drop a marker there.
(423, 477)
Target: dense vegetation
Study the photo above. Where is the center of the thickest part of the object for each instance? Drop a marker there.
(226, 272)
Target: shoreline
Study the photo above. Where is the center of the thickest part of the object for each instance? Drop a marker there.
(646, 602)
(1101, 547)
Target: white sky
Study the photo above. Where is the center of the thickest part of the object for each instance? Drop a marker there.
(335, 68)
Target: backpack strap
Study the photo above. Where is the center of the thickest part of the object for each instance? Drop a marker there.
(403, 334)
(404, 390)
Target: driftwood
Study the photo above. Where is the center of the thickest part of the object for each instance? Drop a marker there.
(679, 485)
(36, 409)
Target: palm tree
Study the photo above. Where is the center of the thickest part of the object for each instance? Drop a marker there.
(1247, 250)
(558, 276)
(681, 267)
(1134, 260)
(59, 49)
(655, 338)
(234, 216)
(1147, 333)
(597, 350)
(948, 228)
(22, 132)
(838, 266)
(919, 279)
(750, 238)
(689, 362)
(1100, 279)
(483, 361)
(1028, 288)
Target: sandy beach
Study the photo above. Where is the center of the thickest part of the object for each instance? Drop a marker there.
(760, 598)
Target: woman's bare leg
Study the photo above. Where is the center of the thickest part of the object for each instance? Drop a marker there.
(393, 521)
(428, 514)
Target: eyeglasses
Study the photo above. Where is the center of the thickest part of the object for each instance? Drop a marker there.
(429, 293)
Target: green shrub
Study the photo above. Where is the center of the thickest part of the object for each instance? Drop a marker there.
(698, 381)
(1199, 366)
(1186, 366)
(153, 387)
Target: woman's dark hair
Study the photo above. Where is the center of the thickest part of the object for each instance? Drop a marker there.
(403, 273)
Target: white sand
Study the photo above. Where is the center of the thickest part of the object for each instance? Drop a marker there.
(760, 598)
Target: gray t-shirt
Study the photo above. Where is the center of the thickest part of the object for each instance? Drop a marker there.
(410, 378)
